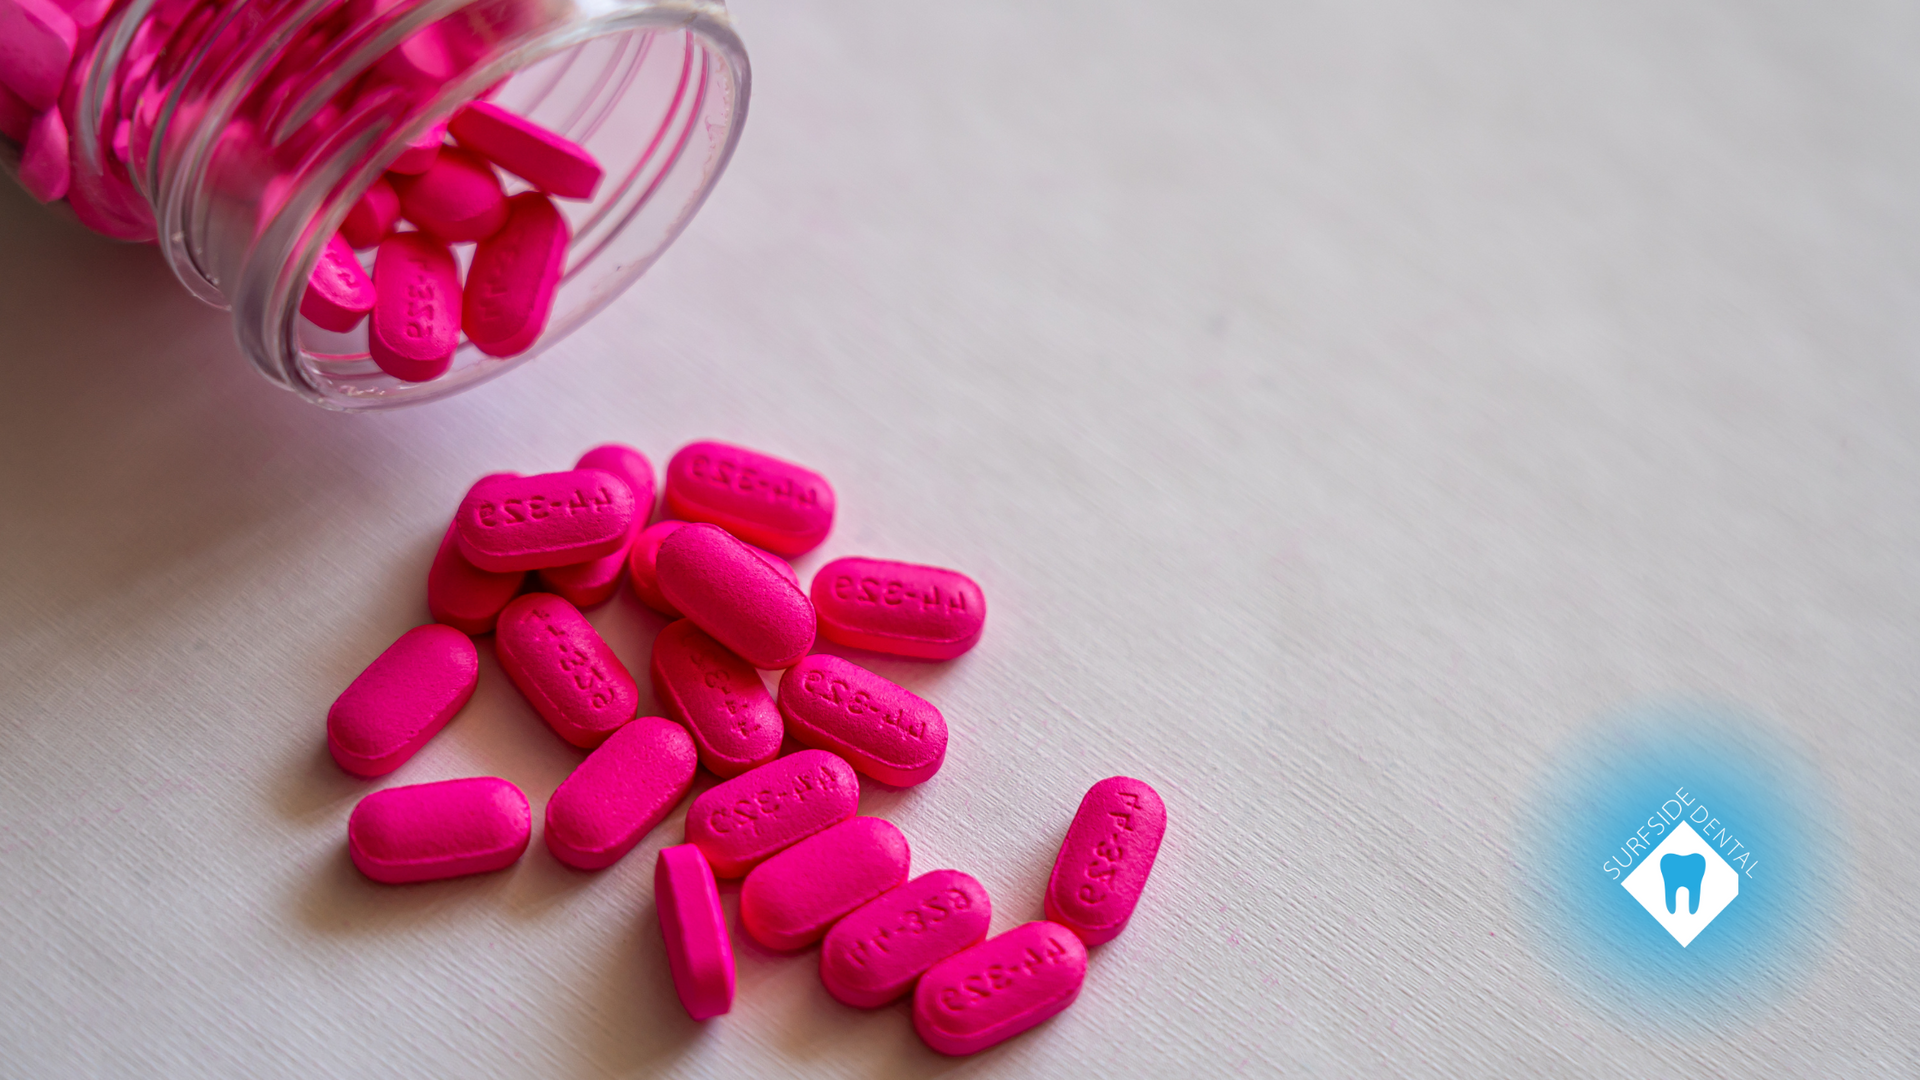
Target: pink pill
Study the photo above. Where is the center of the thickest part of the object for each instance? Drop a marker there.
(372, 216)
(428, 831)
(880, 727)
(339, 294)
(527, 150)
(591, 583)
(515, 272)
(734, 595)
(718, 696)
(774, 504)
(419, 155)
(36, 47)
(1104, 861)
(46, 166)
(698, 951)
(923, 612)
(643, 566)
(617, 796)
(564, 668)
(554, 519)
(873, 956)
(464, 596)
(402, 699)
(457, 198)
(16, 116)
(416, 307)
(738, 823)
(999, 988)
(793, 898)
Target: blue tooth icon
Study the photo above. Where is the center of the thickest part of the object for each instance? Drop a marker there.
(1683, 871)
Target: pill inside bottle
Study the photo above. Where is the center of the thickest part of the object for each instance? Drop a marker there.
(541, 156)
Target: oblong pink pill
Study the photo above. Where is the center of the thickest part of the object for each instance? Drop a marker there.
(568, 674)
(547, 161)
(734, 595)
(999, 988)
(515, 271)
(402, 699)
(372, 216)
(643, 565)
(904, 609)
(762, 500)
(428, 831)
(593, 582)
(339, 294)
(464, 596)
(416, 307)
(718, 696)
(616, 797)
(793, 898)
(458, 197)
(1103, 863)
(738, 823)
(880, 727)
(874, 955)
(695, 929)
(532, 522)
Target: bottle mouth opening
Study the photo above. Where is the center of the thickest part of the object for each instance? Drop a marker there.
(656, 93)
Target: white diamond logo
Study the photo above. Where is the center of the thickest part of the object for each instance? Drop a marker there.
(1683, 884)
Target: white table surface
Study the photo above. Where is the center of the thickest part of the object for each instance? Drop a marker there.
(1341, 405)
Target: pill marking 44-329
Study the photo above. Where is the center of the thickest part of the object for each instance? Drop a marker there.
(894, 592)
(977, 986)
(749, 811)
(540, 507)
(748, 479)
(916, 920)
(840, 694)
(1108, 853)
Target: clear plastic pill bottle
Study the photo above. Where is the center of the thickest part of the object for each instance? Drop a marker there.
(238, 134)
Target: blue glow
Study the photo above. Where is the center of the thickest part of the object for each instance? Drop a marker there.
(1603, 786)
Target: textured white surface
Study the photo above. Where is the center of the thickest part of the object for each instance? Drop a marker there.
(1341, 405)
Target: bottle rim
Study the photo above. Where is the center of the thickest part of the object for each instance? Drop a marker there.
(264, 295)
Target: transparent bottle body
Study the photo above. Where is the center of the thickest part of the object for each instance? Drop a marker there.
(246, 132)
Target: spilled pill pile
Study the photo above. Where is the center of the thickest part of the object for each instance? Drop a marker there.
(524, 554)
